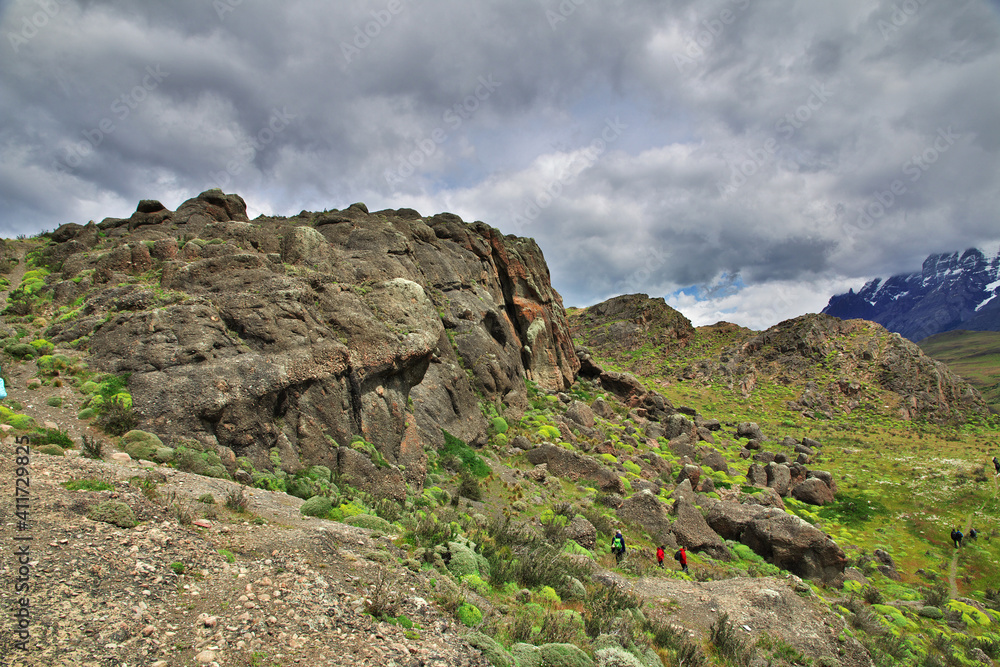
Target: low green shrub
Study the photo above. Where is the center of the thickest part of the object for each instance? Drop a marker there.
(370, 521)
(469, 615)
(318, 506)
(51, 450)
(113, 512)
(21, 351)
(87, 485)
(52, 436)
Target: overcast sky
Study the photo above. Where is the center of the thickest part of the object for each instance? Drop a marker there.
(745, 159)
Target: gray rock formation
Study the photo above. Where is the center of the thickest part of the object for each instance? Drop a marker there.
(304, 333)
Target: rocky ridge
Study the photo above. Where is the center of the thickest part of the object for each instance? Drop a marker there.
(302, 334)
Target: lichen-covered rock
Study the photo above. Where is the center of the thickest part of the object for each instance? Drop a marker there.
(692, 531)
(304, 333)
(644, 509)
(574, 466)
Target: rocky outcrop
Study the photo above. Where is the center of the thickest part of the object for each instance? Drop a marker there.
(304, 333)
(574, 466)
(630, 322)
(644, 509)
(783, 539)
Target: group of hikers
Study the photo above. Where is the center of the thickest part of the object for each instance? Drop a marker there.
(957, 536)
(618, 549)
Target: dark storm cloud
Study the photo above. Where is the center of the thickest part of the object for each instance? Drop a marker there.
(647, 146)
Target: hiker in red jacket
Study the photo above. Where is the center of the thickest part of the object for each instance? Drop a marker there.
(659, 556)
(681, 557)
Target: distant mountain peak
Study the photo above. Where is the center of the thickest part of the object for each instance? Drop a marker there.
(952, 290)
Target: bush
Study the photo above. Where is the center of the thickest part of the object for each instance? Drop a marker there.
(92, 447)
(88, 485)
(21, 351)
(22, 422)
(469, 615)
(206, 498)
(318, 506)
(937, 595)
(370, 522)
(51, 450)
(564, 655)
(494, 652)
(463, 560)
(113, 512)
(237, 501)
(42, 347)
(500, 425)
(117, 417)
(470, 460)
(468, 487)
(724, 635)
(86, 413)
(52, 436)
(615, 656)
(872, 595)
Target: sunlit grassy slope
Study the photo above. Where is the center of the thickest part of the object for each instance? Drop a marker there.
(902, 484)
(975, 355)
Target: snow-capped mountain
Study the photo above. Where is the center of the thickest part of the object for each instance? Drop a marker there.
(951, 291)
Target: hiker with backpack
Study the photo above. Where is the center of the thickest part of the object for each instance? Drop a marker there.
(996, 464)
(681, 557)
(659, 556)
(618, 546)
(956, 536)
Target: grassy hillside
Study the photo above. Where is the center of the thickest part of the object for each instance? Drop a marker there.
(975, 355)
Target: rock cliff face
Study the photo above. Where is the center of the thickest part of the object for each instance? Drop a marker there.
(304, 333)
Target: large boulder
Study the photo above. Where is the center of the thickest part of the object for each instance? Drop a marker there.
(749, 430)
(713, 459)
(574, 466)
(813, 491)
(756, 476)
(582, 532)
(693, 532)
(646, 510)
(580, 413)
(794, 545)
(729, 519)
(624, 385)
(779, 477)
